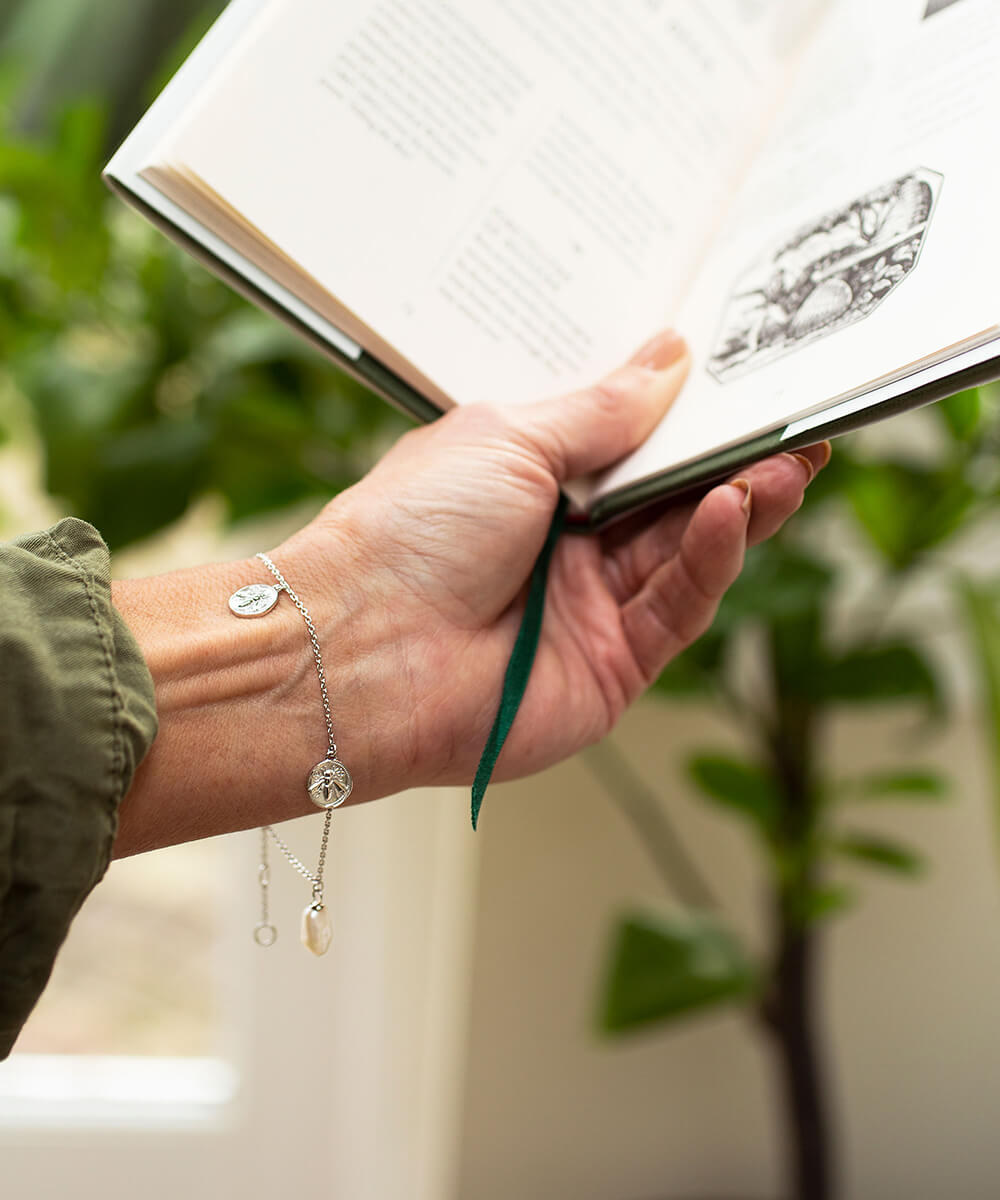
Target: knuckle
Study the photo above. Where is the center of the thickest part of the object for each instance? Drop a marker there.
(475, 419)
(691, 571)
(697, 612)
(481, 425)
(532, 458)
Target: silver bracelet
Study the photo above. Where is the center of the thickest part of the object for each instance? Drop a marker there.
(328, 785)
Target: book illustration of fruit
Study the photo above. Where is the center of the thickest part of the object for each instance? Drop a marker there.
(826, 275)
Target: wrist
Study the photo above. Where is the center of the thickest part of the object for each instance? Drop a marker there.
(364, 642)
(238, 700)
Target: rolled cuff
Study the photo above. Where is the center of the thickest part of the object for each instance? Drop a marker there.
(77, 716)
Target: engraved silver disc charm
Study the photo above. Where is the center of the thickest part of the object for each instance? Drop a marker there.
(330, 783)
(254, 599)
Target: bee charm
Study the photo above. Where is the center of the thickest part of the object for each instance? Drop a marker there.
(329, 784)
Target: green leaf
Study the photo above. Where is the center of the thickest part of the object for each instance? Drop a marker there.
(982, 604)
(742, 787)
(961, 413)
(158, 468)
(662, 968)
(907, 509)
(694, 672)
(887, 674)
(784, 592)
(920, 787)
(876, 851)
(879, 506)
(778, 583)
(821, 903)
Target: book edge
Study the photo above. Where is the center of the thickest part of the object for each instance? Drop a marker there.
(363, 366)
(696, 476)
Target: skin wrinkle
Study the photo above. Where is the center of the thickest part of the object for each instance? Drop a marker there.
(691, 623)
(531, 746)
(639, 554)
(633, 618)
(706, 595)
(660, 603)
(403, 713)
(614, 576)
(416, 579)
(191, 682)
(354, 674)
(411, 718)
(435, 709)
(622, 425)
(419, 574)
(522, 452)
(600, 662)
(614, 704)
(455, 750)
(636, 559)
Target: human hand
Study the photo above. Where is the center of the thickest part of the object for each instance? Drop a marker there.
(415, 581)
(442, 535)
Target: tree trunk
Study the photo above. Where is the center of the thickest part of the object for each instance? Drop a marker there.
(790, 1018)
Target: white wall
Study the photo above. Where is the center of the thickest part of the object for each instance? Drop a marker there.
(911, 982)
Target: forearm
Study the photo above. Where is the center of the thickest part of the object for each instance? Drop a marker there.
(241, 718)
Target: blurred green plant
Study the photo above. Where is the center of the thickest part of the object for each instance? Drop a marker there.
(118, 50)
(783, 658)
(150, 383)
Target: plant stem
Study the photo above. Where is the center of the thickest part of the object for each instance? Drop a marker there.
(789, 1016)
(654, 828)
(788, 1011)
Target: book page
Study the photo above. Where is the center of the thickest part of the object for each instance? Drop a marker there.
(862, 240)
(510, 193)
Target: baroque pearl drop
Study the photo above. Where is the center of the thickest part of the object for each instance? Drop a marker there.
(317, 928)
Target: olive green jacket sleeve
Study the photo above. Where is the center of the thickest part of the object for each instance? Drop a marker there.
(76, 717)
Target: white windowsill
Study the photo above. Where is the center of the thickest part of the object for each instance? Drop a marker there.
(43, 1091)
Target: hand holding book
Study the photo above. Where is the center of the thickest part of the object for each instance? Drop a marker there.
(415, 579)
(481, 203)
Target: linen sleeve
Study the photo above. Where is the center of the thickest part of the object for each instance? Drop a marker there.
(77, 715)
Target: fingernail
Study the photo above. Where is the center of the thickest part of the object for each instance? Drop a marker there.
(810, 471)
(827, 450)
(743, 485)
(661, 351)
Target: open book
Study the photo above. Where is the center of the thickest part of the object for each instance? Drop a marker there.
(497, 200)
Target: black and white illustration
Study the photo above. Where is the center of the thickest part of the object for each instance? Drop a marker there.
(826, 275)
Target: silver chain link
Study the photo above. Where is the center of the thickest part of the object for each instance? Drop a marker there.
(315, 878)
(314, 642)
(264, 933)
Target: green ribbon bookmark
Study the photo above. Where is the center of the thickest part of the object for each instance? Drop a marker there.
(522, 658)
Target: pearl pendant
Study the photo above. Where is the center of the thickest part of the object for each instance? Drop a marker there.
(317, 928)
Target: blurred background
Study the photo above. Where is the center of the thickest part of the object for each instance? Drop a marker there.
(748, 948)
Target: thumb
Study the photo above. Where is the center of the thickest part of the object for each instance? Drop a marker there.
(587, 430)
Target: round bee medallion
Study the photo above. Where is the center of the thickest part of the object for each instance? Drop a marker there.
(254, 600)
(330, 783)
